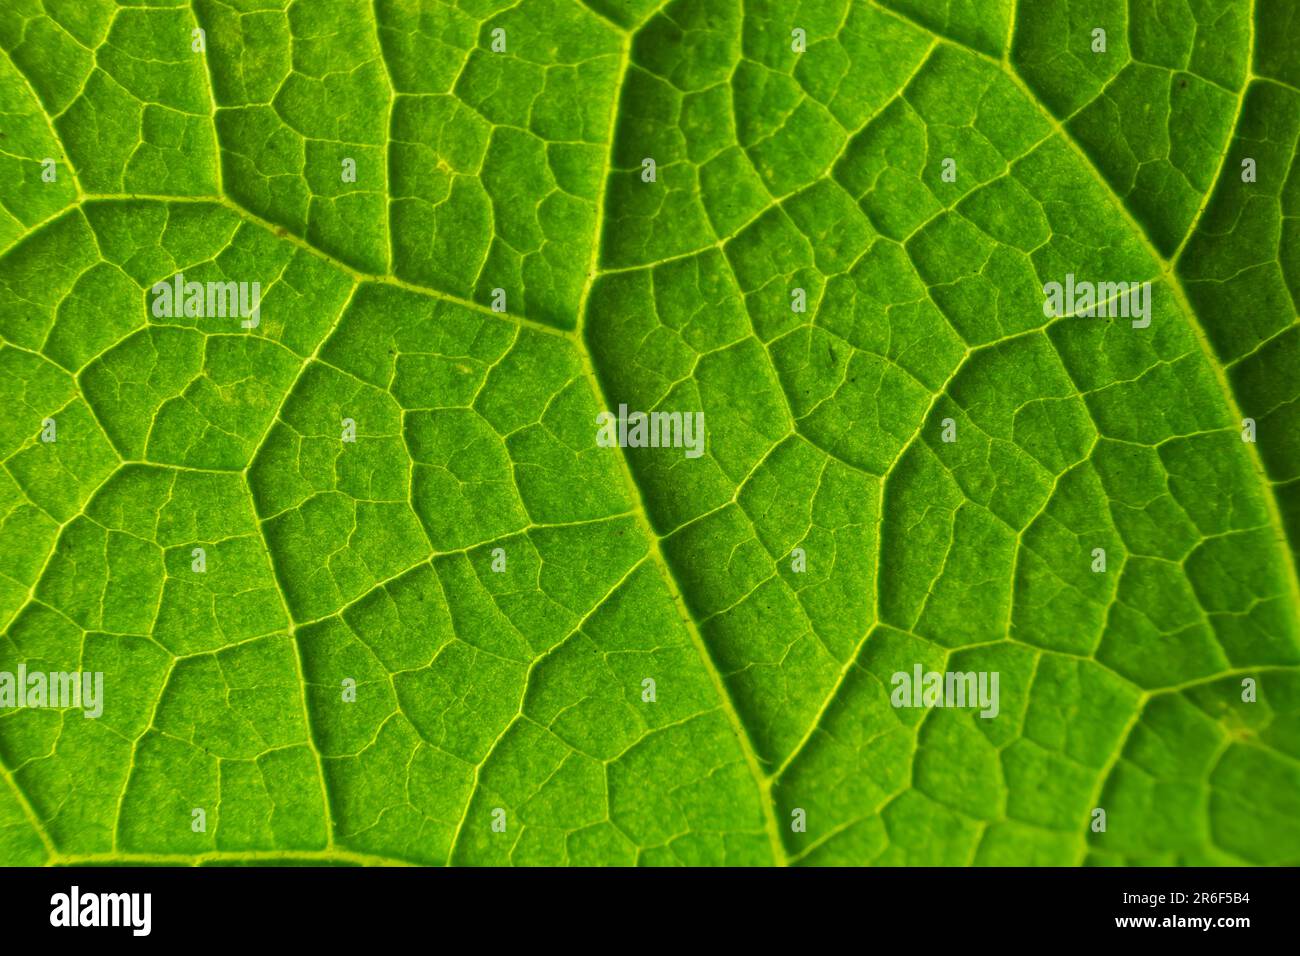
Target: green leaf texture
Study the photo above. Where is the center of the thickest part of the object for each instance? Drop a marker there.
(517, 695)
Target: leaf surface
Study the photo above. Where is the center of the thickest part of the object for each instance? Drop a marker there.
(517, 693)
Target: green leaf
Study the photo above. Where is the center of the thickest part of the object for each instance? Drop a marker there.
(364, 586)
